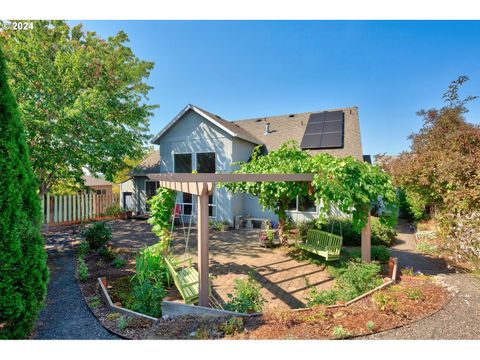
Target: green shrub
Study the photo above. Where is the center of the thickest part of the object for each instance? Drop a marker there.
(148, 295)
(378, 253)
(23, 260)
(118, 263)
(340, 333)
(122, 323)
(97, 235)
(94, 301)
(246, 297)
(150, 280)
(351, 281)
(370, 325)
(82, 269)
(107, 253)
(83, 248)
(232, 326)
(113, 210)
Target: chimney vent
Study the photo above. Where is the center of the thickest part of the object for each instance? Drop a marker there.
(267, 129)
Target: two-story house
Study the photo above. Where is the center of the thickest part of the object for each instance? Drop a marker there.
(199, 141)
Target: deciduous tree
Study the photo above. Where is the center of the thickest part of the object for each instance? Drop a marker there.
(83, 99)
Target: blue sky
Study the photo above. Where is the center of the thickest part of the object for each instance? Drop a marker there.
(244, 69)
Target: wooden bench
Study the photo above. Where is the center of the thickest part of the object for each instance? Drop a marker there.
(186, 280)
(322, 243)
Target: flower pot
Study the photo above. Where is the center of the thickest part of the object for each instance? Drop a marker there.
(225, 227)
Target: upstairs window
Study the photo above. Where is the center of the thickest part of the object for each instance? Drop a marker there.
(182, 163)
(206, 162)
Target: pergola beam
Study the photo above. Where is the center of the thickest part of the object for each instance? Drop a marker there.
(214, 178)
(194, 188)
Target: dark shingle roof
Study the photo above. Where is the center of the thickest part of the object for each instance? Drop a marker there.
(150, 165)
(292, 127)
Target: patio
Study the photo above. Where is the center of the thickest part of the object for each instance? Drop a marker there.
(233, 254)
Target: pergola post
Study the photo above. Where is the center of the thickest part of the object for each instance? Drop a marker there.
(203, 291)
(367, 240)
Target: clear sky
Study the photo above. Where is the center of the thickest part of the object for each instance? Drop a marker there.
(245, 69)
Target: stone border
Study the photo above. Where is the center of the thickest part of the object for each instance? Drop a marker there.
(170, 309)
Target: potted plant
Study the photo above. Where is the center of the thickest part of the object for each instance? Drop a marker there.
(225, 225)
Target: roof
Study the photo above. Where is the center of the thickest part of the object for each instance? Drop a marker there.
(95, 181)
(227, 126)
(292, 127)
(149, 165)
(282, 128)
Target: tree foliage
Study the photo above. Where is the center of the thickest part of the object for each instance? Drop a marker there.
(23, 269)
(352, 186)
(82, 99)
(441, 173)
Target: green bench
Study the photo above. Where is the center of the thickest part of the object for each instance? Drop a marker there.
(186, 280)
(322, 243)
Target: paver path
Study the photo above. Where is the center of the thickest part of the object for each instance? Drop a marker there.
(459, 319)
(65, 315)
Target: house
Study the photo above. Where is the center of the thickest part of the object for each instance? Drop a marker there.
(197, 140)
(98, 185)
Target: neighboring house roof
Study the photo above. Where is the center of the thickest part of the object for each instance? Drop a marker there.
(227, 126)
(282, 128)
(150, 165)
(94, 181)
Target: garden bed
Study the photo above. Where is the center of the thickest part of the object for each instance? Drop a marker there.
(414, 298)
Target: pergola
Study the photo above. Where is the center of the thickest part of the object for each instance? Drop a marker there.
(202, 185)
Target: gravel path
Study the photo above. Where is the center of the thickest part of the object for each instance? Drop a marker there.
(65, 315)
(459, 319)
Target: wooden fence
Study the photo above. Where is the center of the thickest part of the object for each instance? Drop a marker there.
(63, 209)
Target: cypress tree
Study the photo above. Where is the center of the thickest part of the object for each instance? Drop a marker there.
(23, 260)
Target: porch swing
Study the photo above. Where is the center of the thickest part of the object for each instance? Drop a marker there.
(184, 275)
(323, 243)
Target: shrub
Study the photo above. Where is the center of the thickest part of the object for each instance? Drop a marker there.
(94, 301)
(83, 248)
(232, 326)
(149, 281)
(82, 269)
(97, 235)
(246, 297)
(378, 253)
(463, 237)
(340, 333)
(118, 263)
(107, 253)
(148, 294)
(23, 260)
(351, 281)
(385, 302)
(370, 325)
(122, 323)
(113, 210)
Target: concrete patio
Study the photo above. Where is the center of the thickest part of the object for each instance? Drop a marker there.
(232, 255)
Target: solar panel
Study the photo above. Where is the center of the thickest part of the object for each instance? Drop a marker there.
(324, 131)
